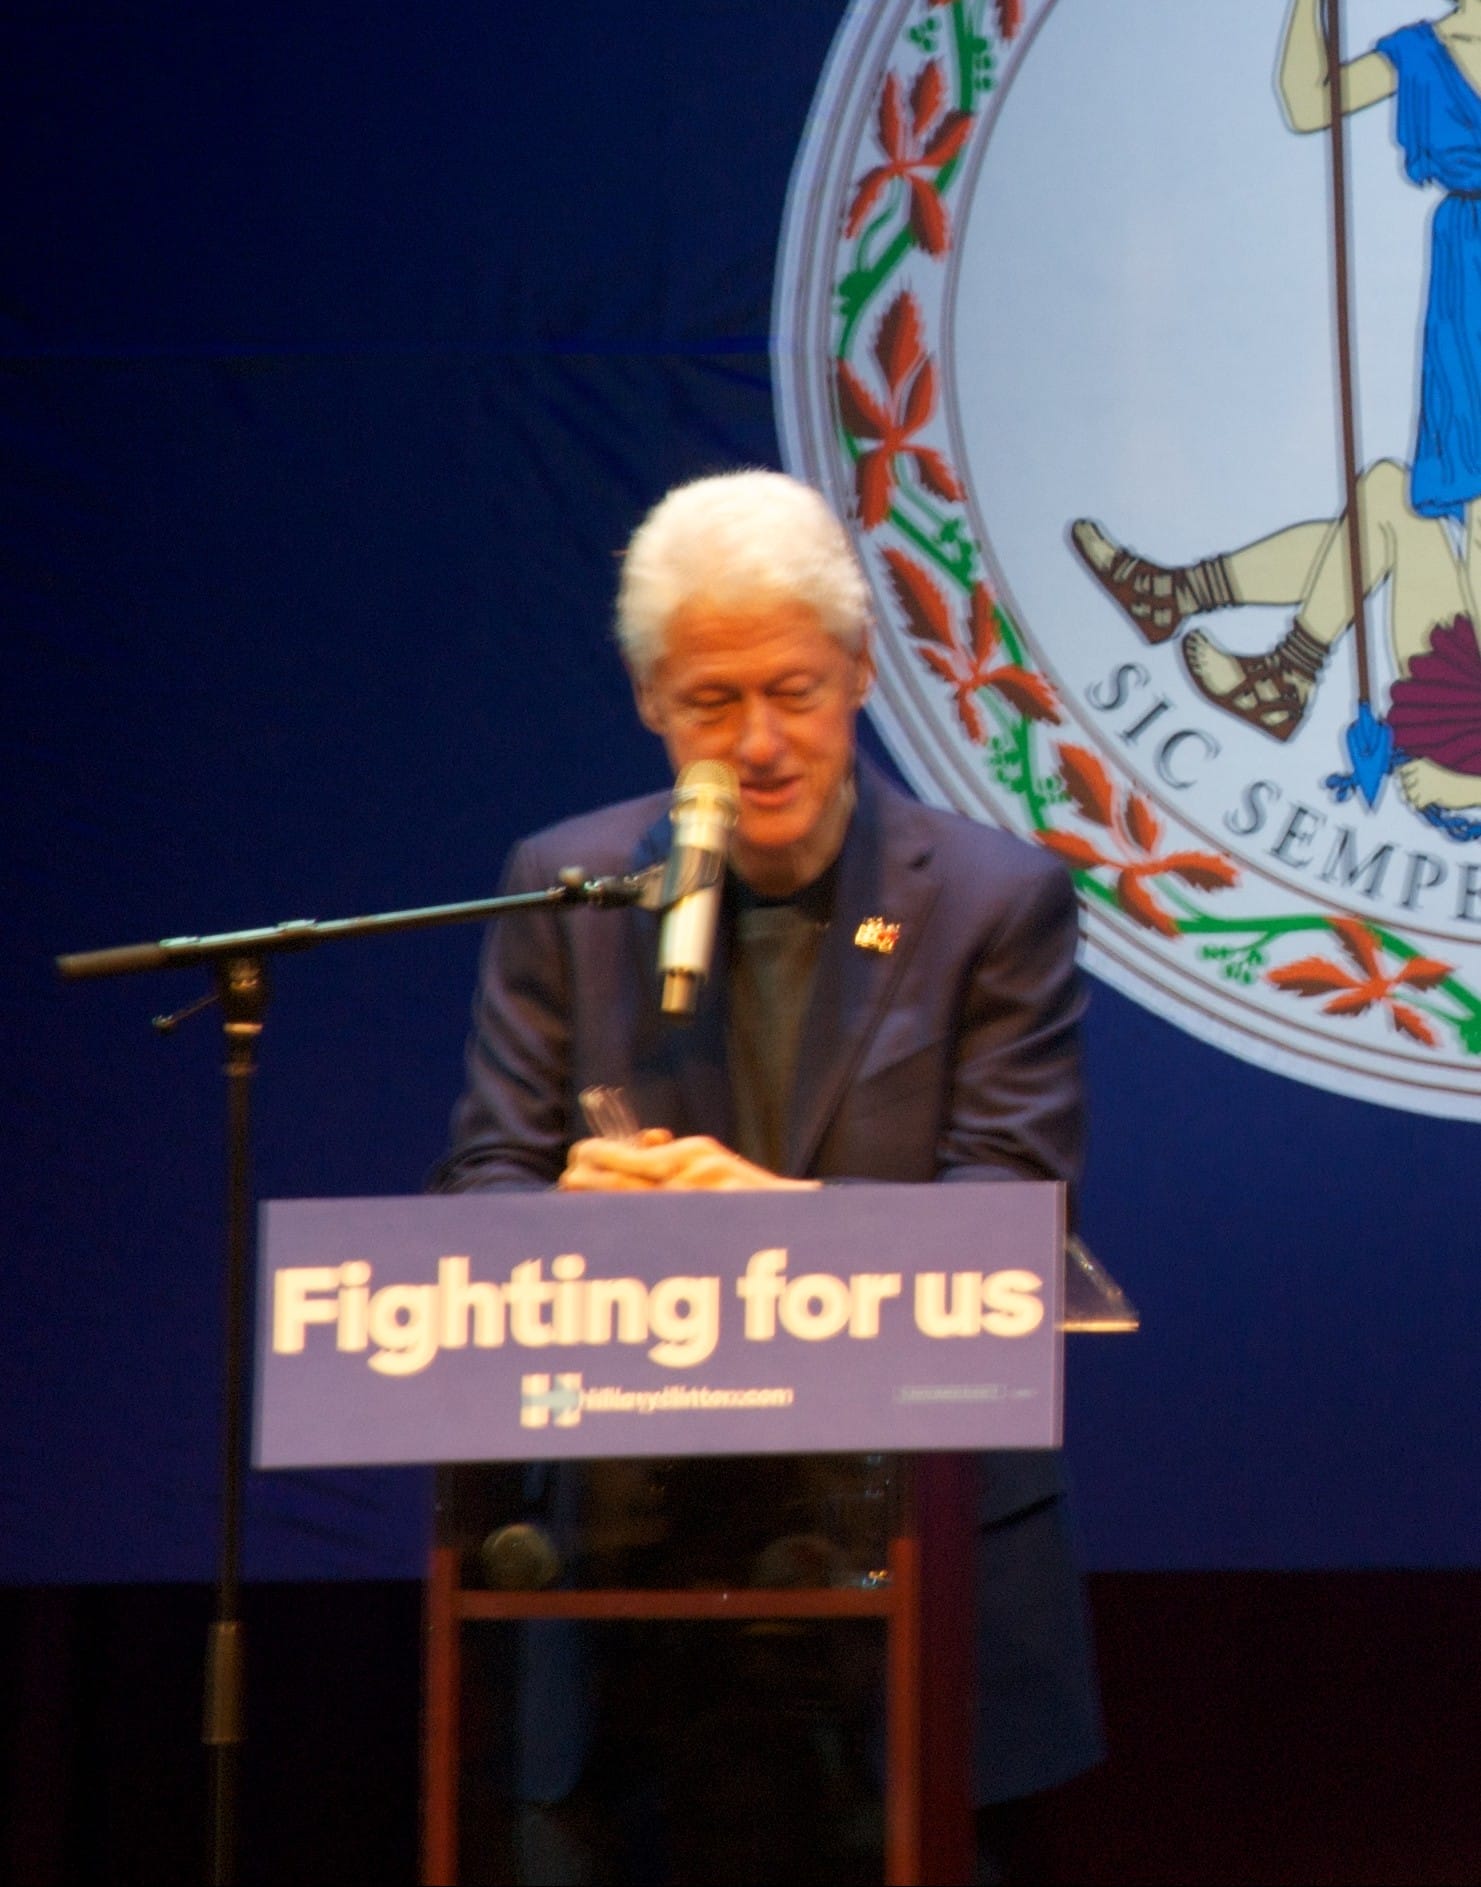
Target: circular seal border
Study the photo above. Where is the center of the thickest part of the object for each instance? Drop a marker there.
(861, 357)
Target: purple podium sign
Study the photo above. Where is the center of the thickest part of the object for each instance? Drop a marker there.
(532, 1326)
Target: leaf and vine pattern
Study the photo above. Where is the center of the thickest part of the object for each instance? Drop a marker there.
(917, 145)
(966, 664)
(888, 426)
(1130, 846)
(1352, 989)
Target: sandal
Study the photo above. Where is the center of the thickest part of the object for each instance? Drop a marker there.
(1145, 592)
(1271, 692)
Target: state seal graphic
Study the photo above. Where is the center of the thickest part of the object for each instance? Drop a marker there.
(1067, 314)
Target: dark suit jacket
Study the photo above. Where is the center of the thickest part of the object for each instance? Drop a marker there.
(951, 1058)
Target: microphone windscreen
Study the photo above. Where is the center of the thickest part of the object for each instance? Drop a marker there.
(712, 780)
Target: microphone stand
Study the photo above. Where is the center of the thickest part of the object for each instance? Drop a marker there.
(237, 961)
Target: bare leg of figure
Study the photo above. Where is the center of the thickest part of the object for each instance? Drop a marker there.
(1158, 598)
(1414, 553)
(1280, 569)
(1273, 691)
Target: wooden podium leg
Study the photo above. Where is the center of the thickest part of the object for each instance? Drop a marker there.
(442, 1677)
(946, 1511)
(902, 1806)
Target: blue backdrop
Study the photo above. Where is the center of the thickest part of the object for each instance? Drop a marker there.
(344, 345)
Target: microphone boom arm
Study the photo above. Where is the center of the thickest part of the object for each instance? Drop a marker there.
(572, 888)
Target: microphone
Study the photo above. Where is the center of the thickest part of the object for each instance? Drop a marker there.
(705, 808)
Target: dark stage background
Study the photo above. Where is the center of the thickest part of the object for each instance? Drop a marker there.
(342, 348)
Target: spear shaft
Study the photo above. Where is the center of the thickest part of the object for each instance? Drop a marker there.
(1342, 298)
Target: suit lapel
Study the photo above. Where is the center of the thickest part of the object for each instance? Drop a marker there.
(882, 874)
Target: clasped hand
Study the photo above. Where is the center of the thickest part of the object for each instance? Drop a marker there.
(654, 1161)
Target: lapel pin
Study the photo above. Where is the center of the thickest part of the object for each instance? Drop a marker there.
(877, 934)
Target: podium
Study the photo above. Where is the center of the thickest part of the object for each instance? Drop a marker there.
(902, 1322)
(927, 1753)
(927, 1794)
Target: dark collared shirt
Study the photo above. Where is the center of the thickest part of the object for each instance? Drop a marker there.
(774, 954)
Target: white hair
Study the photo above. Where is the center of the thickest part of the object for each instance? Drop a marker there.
(738, 538)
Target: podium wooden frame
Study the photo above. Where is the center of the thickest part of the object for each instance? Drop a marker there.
(925, 1605)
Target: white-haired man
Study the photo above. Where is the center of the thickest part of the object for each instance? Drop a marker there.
(742, 616)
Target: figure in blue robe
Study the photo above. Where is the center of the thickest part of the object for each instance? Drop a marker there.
(1439, 131)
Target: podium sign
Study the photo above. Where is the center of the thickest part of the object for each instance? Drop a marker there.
(542, 1325)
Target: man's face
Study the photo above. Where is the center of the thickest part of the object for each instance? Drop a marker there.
(765, 688)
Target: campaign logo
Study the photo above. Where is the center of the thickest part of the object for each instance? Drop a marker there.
(546, 1398)
(1054, 331)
